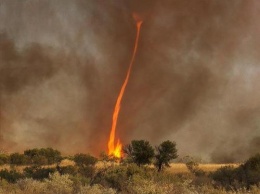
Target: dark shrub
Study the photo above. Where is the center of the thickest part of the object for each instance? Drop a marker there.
(38, 173)
(245, 175)
(32, 152)
(39, 160)
(17, 159)
(43, 156)
(133, 169)
(11, 176)
(249, 172)
(87, 171)
(200, 181)
(84, 160)
(116, 177)
(4, 159)
(53, 156)
(225, 176)
(253, 163)
(71, 170)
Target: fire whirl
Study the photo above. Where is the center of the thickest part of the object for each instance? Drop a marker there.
(116, 150)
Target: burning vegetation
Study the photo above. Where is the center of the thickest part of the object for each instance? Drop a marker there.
(116, 149)
(195, 78)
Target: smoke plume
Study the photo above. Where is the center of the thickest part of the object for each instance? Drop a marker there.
(194, 81)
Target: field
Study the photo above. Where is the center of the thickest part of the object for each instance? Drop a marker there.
(175, 168)
(182, 168)
(177, 179)
(46, 171)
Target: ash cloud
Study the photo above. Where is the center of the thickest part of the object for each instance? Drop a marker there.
(194, 81)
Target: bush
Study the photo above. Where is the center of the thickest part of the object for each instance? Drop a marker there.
(43, 156)
(96, 189)
(84, 160)
(59, 184)
(71, 170)
(139, 184)
(246, 175)
(225, 176)
(193, 166)
(38, 173)
(18, 159)
(115, 177)
(87, 171)
(39, 160)
(133, 169)
(11, 176)
(30, 186)
(4, 159)
(249, 172)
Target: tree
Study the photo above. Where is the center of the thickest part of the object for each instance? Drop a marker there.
(165, 152)
(140, 151)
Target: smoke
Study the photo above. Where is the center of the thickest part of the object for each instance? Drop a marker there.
(195, 79)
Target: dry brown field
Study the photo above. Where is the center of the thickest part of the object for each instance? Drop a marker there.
(175, 167)
(181, 167)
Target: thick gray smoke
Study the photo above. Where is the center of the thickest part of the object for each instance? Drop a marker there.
(195, 79)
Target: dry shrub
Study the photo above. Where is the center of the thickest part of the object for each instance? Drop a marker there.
(59, 184)
(97, 189)
(139, 184)
(31, 186)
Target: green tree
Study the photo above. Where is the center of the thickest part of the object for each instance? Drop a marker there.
(140, 152)
(165, 152)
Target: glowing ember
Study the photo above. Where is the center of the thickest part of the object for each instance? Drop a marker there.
(112, 149)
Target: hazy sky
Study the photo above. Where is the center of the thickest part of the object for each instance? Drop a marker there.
(195, 79)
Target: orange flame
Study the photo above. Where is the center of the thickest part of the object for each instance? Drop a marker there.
(112, 149)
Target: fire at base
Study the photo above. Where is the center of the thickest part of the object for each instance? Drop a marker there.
(116, 150)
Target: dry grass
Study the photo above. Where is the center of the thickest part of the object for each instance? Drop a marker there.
(8, 167)
(181, 167)
(175, 168)
(214, 167)
(67, 162)
(178, 168)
